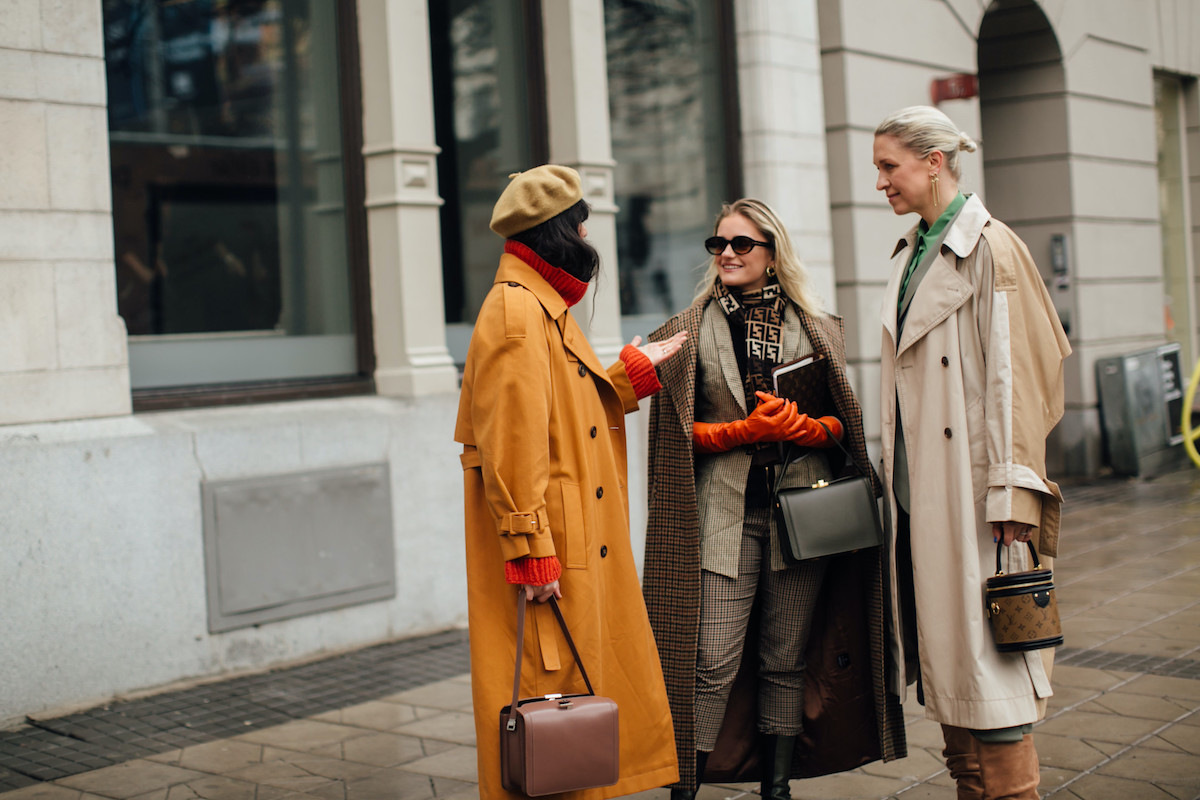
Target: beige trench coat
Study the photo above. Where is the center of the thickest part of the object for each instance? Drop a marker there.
(542, 425)
(978, 377)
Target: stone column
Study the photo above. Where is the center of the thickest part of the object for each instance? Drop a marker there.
(402, 201)
(577, 98)
(62, 345)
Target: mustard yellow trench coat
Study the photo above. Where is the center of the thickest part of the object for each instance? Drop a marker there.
(542, 425)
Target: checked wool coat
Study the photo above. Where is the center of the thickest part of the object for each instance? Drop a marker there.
(850, 719)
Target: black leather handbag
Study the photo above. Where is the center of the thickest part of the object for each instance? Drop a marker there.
(828, 517)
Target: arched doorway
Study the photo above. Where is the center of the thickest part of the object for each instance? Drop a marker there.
(1026, 161)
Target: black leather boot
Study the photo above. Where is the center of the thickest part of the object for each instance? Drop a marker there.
(777, 767)
(684, 794)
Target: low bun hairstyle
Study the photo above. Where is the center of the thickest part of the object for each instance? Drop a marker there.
(924, 129)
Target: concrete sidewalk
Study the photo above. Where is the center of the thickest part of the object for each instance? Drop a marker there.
(1124, 722)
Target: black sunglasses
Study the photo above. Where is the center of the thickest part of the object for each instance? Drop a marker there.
(741, 244)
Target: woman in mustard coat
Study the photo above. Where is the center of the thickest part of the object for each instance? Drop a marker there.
(544, 471)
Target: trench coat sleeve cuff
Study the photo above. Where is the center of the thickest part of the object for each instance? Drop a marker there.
(641, 372)
(1014, 504)
(534, 571)
(525, 534)
(628, 396)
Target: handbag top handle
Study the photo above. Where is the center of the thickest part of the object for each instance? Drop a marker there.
(1000, 544)
(512, 709)
(787, 461)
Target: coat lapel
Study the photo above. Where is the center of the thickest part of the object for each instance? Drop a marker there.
(678, 374)
(941, 292)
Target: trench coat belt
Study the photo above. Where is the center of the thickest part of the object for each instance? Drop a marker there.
(545, 630)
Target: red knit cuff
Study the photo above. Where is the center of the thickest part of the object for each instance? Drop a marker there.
(640, 371)
(534, 571)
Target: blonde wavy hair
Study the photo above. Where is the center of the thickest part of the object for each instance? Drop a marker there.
(789, 269)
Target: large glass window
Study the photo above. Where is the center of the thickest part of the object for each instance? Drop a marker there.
(490, 122)
(674, 129)
(229, 190)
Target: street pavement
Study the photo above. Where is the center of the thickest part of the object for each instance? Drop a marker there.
(1124, 722)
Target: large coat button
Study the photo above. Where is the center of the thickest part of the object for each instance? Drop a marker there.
(582, 370)
(593, 431)
(599, 492)
(948, 433)
(945, 361)
(603, 550)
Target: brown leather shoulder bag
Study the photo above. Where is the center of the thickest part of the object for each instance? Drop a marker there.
(557, 743)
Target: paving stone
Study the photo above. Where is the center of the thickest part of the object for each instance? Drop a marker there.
(451, 726)
(1128, 704)
(1185, 737)
(1066, 752)
(129, 779)
(391, 783)
(1159, 768)
(377, 715)
(1099, 727)
(43, 791)
(1085, 678)
(304, 735)
(1104, 787)
(445, 695)
(1160, 686)
(919, 766)
(213, 787)
(281, 775)
(221, 757)
(458, 763)
(383, 749)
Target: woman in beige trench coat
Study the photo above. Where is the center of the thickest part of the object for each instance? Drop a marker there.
(971, 386)
(544, 469)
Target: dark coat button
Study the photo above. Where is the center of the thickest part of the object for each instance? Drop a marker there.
(945, 361)
(948, 433)
(599, 492)
(513, 283)
(603, 550)
(582, 370)
(593, 431)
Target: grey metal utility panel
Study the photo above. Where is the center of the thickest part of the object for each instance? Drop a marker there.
(282, 546)
(1141, 406)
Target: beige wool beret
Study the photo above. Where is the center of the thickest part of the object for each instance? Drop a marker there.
(534, 196)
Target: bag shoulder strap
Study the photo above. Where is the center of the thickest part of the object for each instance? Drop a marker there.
(512, 710)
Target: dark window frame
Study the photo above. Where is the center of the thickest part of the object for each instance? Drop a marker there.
(363, 381)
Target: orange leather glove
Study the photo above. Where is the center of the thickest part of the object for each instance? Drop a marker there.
(813, 435)
(772, 420)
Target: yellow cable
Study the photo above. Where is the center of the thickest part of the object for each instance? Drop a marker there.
(1190, 435)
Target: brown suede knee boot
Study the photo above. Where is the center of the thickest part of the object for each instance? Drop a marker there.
(1009, 769)
(962, 759)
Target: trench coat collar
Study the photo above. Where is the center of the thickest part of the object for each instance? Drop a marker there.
(943, 290)
(513, 270)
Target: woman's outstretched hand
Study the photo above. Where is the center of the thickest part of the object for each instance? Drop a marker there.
(659, 352)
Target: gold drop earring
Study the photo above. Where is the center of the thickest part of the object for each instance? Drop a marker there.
(936, 202)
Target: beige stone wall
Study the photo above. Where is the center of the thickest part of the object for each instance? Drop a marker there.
(1067, 130)
(62, 344)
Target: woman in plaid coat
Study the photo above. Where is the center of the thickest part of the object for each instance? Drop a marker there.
(773, 671)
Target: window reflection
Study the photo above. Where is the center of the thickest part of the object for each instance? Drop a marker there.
(667, 114)
(226, 153)
(486, 131)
